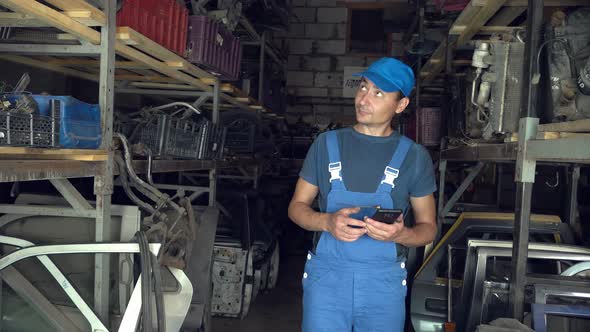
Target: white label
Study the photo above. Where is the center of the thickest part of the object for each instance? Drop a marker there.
(351, 83)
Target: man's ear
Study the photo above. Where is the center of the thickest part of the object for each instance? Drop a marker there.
(402, 104)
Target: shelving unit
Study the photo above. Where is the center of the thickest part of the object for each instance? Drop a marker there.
(87, 48)
(533, 144)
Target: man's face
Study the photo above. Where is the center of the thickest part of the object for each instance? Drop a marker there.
(376, 107)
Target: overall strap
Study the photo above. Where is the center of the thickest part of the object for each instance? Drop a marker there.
(335, 165)
(391, 171)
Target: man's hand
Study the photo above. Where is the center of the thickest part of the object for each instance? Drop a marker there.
(339, 225)
(385, 232)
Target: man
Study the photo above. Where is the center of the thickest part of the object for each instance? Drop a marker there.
(355, 278)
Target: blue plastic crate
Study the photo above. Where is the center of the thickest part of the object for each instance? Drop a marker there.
(79, 122)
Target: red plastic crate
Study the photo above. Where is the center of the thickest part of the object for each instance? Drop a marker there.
(163, 21)
(429, 126)
(212, 46)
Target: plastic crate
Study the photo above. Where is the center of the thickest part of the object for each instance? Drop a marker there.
(163, 21)
(79, 126)
(33, 130)
(168, 137)
(212, 46)
(429, 124)
(78, 123)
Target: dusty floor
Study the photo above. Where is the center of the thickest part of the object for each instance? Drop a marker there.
(276, 310)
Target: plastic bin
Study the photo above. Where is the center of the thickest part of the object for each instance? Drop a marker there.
(429, 126)
(163, 21)
(212, 46)
(79, 122)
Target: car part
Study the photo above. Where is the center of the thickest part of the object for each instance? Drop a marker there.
(541, 311)
(568, 61)
(232, 281)
(476, 266)
(126, 220)
(177, 302)
(428, 305)
(494, 102)
(542, 292)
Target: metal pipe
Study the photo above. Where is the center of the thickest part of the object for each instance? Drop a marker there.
(524, 167)
(533, 36)
(176, 103)
(449, 284)
(127, 188)
(160, 196)
(149, 168)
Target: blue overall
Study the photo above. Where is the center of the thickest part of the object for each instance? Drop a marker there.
(359, 285)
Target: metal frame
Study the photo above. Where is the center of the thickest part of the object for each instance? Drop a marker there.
(430, 292)
(540, 312)
(542, 291)
(103, 171)
(32, 295)
(176, 307)
(480, 251)
(130, 221)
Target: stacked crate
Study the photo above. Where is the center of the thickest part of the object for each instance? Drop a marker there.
(163, 21)
(212, 46)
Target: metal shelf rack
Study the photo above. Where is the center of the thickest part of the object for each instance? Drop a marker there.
(86, 48)
(529, 150)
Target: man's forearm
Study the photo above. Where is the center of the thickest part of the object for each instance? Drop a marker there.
(307, 218)
(417, 236)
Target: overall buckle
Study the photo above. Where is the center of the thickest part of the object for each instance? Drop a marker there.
(390, 175)
(335, 169)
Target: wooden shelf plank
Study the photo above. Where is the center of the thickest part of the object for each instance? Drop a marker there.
(53, 18)
(29, 61)
(479, 20)
(17, 20)
(578, 126)
(132, 37)
(11, 152)
(79, 5)
(30, 170)
(142, 50)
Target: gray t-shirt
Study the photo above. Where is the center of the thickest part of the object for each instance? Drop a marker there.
(363, 160)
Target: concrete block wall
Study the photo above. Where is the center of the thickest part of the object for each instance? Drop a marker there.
(317, 56)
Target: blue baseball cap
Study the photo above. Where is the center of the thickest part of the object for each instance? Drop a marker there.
(390, 75)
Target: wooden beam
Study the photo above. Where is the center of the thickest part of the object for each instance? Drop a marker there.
(545, 135)
(571, 126)
(506, 15)
(18, 20)
(143, 78)
(479, 20)
(459, 29)
(163, 86)
(86, 17)
(79, 5)
(62, 22)
(48, 66)
(53, 18)
(132, 37)
(9, 152)
(77, 62)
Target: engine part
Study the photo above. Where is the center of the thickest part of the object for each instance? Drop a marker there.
(494, 103)
(479, 56)
(568, 62)
(229, 13)
(232, 281)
